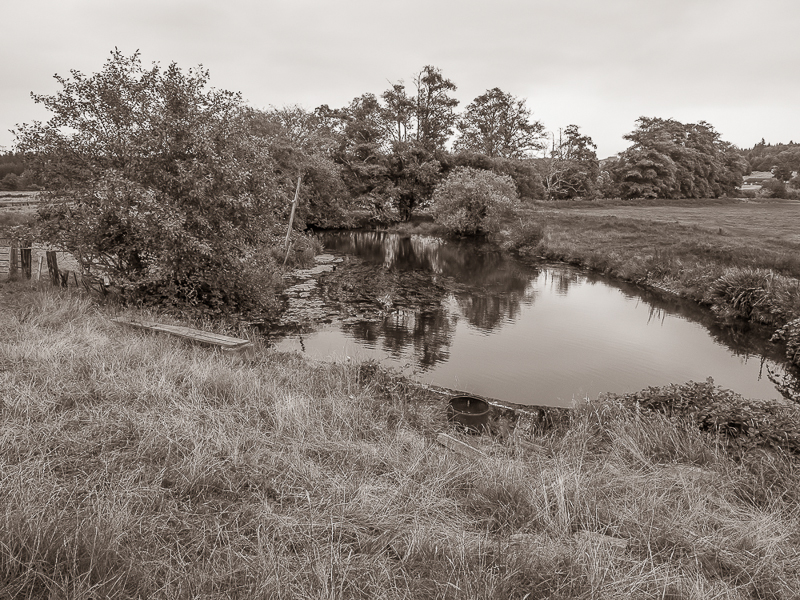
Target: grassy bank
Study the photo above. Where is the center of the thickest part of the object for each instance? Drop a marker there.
(138, 466)
(740, 258)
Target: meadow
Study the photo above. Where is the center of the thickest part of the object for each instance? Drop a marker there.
(133, 465)
(741, 258)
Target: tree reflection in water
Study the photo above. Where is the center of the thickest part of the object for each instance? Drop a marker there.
(487, 288)
(428, 333)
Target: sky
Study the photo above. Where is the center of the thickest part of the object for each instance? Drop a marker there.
(599, 64)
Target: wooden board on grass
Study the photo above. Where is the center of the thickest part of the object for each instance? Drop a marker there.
(227, 343)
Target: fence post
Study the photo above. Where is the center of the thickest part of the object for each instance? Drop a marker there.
(12, 261)
(26, 259)
(52, 268)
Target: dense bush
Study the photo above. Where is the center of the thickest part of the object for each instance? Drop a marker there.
(744, 422)
(524, 172)
(790, 333)
(161, 183)
(472, 201)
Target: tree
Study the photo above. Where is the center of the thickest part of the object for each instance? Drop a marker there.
(159, 182)
(303, 145)
(670, 159)
(572, 169)
(498, 124)
(434, 108)
(414, 172)
(472, 201)
(399, 111)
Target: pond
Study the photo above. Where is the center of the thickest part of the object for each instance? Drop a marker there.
(462, 315)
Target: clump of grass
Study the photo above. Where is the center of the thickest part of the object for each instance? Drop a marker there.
(134, 465)
(523, 237)
(759, 295)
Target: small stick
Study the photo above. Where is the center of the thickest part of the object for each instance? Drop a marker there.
(39, 272)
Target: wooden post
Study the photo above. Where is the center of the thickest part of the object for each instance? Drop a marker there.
(25, 258)
(52, 268)
(12, 261)
(39, 272)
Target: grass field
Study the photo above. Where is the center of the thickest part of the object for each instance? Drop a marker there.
(135, 466)
(751, 222)
(740, 258)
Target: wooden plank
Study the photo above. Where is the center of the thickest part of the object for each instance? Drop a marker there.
(194, 335)
(459, 447)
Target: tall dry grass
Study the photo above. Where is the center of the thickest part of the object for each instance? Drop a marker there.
(133, 465)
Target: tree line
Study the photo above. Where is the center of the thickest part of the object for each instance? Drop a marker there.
(182, 192)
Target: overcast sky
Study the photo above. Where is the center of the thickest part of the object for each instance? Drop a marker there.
(599, 64)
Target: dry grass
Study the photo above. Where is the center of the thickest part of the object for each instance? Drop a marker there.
(136, 466)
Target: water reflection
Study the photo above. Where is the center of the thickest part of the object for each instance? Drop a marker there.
(462, 315)
(427, 333)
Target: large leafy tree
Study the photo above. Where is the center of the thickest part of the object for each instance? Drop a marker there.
(670, 159)
(158, 181)
(499, 125)
(399, 112)
(304, 145)
(434, 108)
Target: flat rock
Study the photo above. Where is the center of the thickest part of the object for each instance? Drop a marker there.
(327, 258)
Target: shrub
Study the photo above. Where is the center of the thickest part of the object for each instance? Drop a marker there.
(773, 188)
(472, 201)
(746, 423)
(790, 333)
(172, 197)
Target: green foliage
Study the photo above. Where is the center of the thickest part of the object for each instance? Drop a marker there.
(303, 145)
(414, 173)
(669, 159)
(523, 172)
(780, 159)
(159, 182)
(776, 188)
(472, 201)
(498, 125)
(790, 334)
(524, 237)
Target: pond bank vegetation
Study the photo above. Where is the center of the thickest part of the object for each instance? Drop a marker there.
(135, 465)
(730, 274)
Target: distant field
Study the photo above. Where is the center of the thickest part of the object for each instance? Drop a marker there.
(17, 199)
(773, 220)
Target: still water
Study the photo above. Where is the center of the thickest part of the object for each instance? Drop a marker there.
(463, 316)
